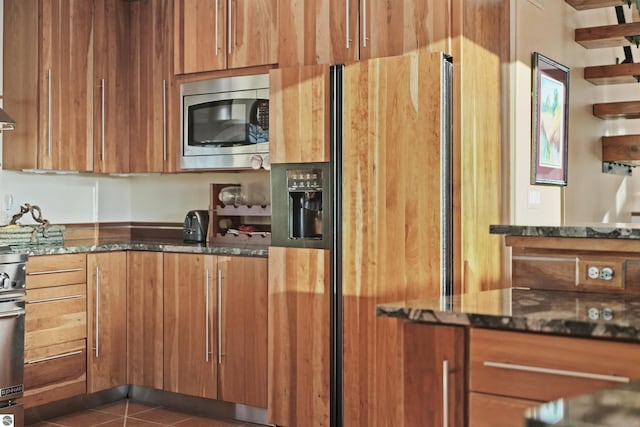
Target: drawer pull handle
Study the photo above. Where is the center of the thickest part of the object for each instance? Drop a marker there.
(562, 372)
(67, 297)
(57, 356)
(67, 270)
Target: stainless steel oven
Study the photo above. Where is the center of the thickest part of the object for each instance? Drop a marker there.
(12, 318)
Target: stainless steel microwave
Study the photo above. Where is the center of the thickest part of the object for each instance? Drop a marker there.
(225, 123)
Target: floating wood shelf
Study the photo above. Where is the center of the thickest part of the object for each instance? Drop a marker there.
(623, 149)
(617, 110)
(594, 4)
(613, 74)
(608, 35)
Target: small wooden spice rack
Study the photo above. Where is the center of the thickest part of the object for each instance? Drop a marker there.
(236, 214)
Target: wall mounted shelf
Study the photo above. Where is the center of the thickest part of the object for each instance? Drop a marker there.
(609, 35)
(617, 110)
(596, 4)
(613, 74)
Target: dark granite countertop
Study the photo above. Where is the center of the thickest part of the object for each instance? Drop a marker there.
(107, 245)
(594, 230)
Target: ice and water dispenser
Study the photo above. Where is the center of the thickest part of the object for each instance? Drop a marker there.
(301, 205)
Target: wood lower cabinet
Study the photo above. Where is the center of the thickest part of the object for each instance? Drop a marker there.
(49, 51)
(55, 328)
(212, 35)
(145, 339)
(510, 371)
(242, 299)
(190, 325)
(107, 320)
(215, 327)
(434, 375)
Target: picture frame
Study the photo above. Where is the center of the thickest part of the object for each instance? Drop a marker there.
(550, 121)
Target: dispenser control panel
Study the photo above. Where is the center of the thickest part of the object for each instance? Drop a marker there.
(304, 179)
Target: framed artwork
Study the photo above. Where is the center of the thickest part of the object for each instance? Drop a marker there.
(550, 116)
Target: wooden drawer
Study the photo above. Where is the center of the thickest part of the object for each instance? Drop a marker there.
(487, 410)
(56, 270)
(55, 315)
(546, 367)
(55, 372)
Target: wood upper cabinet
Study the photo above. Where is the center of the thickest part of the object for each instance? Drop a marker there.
(48, 51)
(214, 35)
(434, 375)
(106, 320)
(190, 325)
(242, 298)
(154, 97)
(342, 31)
(299, 114)
(144, 319)
(111, 86)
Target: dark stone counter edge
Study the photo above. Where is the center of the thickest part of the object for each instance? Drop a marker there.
(595, 231)
(573, 328)
(70, 248)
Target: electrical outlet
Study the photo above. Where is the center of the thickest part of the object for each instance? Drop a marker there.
(606, 273)
(593, 272)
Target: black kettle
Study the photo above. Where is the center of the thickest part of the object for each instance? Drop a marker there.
(195, 226)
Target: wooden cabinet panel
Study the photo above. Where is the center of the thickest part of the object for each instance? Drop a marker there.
(107, 314)
(434, 375)
(50, 54)
(299, 114)
(190, 325)
(544, 367)
(243, 309)
(56, 270)
(144, 319)
(486, 410)
(214, 35)
(55, 372)
(55, 315)
(299, 334)
(111, 86)
(154, 102)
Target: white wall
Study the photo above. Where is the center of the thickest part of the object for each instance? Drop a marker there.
(547, 26)
(90, 198)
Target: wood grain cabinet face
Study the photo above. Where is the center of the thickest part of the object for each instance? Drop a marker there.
(106, 320)
(524, 368)
(212, 35)
(55, 328)
(50, 64)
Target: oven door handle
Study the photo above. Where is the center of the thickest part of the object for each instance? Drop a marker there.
(12, 313)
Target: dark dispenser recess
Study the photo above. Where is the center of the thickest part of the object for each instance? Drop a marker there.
(301, 205)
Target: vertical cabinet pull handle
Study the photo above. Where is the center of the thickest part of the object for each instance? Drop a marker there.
(220, 308)
(97, 329)
(229, 30)
(445, 393)
(49, 100)
(347, 24)
(364, 23)
(206, 315)
(216, 48)
(164, 120)
(102, 89)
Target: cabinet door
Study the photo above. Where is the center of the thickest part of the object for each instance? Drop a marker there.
(152, 85)
(144, 319)
(242, 304)
(317, 32)
(66, 85)
(299, 334)
(252, 32)
(434, 375)
(190, 325)
(107, 314)
(111, 87)
(299, 121)
(200, 35)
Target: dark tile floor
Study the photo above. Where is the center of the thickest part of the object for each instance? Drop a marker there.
(127, 413)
